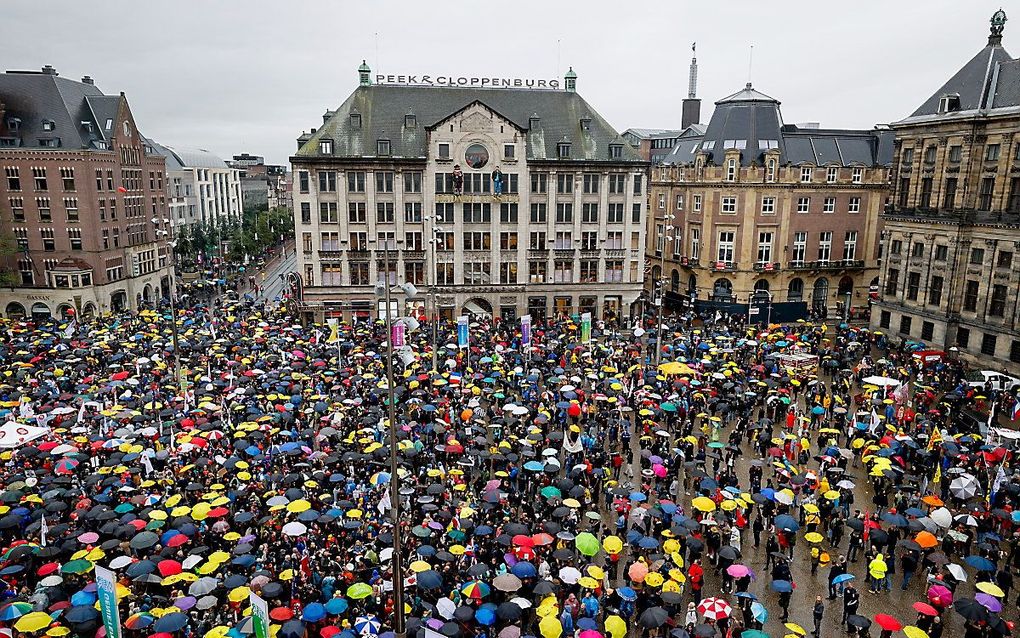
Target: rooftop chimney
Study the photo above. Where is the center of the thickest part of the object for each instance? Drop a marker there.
(691, 108)
(88, 80)
(49, 70)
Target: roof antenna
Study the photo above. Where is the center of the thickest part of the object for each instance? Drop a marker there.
(557, 58)
(377, 49)
(750, 64)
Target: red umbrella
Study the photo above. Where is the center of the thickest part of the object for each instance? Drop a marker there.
(329, 631)
(523, 540)
(169, 567)
(940, 595)
(48, 569)
(926, 609)
(177, 540)
(281, 613)
(887, 622)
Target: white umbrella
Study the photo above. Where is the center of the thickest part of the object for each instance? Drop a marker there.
(942, 517)
(446, 607)
(964, 487)
(294, 528)
(122, 561)
(957, 572)
(570, 575)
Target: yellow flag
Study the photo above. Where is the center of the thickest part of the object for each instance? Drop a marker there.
(334, 332)
(938, 475)
(936, 438)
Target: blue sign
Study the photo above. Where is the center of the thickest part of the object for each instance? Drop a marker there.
(462, 331)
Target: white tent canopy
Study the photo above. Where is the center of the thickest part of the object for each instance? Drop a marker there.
(14, 434)
(881, 382)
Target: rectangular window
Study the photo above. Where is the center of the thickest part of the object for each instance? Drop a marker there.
(564, 182)
(327, 181)
(992, 153)
(358, 241)
(508, 272)
(697, 203)
(955, 153)
(589, 271)
(970, 295)
(963, 337)
(831, 175)
(917, 249)
(386, 240)
(74, 235)
(17, 208)
(927, 330)
(444, 240)
(829, 205)
(729, 205)
(477, 213)
(477, 183)
(539, 182)
(857, 175)
(725, 247)
(768, 206)
(853, 205)
(477, 241)
(977, 256)
(355, 182)
(564, 213)
(695, 243)
(662, 201)
(986, 192)
(45, 213)
(614, 215)
(905, 325)
(384, 181)
(67, 179)
(328, 213)
(850, 245)
(929, 154)
(614, 271)
(537, 271)
(414, 241)
(412, 181)
(913, 285)
(935, 290)
(71, 207)
(926, 188)
(412, 212)
(997, 302)
(617, 184)
(384, 212)
(1004, 259)
(591, 183)
(805, 175)
(444, 151)
(679, 202)
(764, 247)
(825, 246)
(444, 212)
(589, 213)
(306, 242)
(329, 241)
(1014, 351)
(49, 245)
(803, 204)
(799, 247)
(731, 170)
(538, 213)
(510, 184)
(884, 319)
(637, 184)
(896, 247)
(941, 252)
(988, 344)
(564, 240)
(508, 240)
(325, 147)
(536, 241)
(635, 213)
(590, 240)
(563, 150)
(39, 177)
(563, 271)
(614, 240)
(508, 213)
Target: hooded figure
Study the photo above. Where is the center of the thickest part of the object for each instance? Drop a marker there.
(877, 569)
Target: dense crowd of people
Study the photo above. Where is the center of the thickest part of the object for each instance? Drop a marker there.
(760, 477)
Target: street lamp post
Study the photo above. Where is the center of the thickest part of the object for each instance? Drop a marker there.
(399, 629)
(171, 245)
(666, 239)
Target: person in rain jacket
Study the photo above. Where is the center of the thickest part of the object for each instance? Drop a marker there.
(877, 570)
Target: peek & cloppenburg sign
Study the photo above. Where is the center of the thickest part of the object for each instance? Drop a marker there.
(478, 82)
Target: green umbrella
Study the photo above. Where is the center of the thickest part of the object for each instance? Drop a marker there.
(456, 535)
(551, 491)
(668, 407)
(753, 633)
(357, 591)
(717, 444)
(587, 544)
(79, 566)
(124, 508)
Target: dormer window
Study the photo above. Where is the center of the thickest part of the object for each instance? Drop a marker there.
(831, 175)
(48, 125)
(410, 121)
(770, 170)
(615, 151)
(563, 150)
(87, 126)
(805, 175)
(13, 124)
(585, 123)
(731, 170)
(325, 147)
(382, 147)
(534, 121)
(949, 103)
(356, 120)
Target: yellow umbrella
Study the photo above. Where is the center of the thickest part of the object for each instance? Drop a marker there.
(831, 495)
(795, 628)
(616, 626)
(991, 588)
(654, 579)
(910, 631)
(813, 537)
(596, 572)
(238, 594)
(419, 566)
(33, 622)
(298, 506)
(588, 582)
(612, 544)
(703, 504)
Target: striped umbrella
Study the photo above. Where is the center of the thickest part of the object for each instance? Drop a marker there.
(715, 608)
(366, 625)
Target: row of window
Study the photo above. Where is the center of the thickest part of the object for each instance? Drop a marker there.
(471, 213)
(384, 148)
(1003, 258)
(989, 341)
(476, 240)
(954, 154)
(926, 198)
(131, 180)
(472, 182)
(807, 173)
(47, 238)
(26, 271)
(475, 273)
(728, 205)
(726, 245)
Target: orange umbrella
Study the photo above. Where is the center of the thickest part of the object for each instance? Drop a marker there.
(637, 571)
(933, 500)
(926, 540)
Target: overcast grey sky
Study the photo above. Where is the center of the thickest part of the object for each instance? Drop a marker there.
(250, 76)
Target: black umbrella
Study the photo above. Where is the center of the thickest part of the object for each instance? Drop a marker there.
(855, 620)
(971, 609)
(653, 617)
(170, 623)
(144, 540)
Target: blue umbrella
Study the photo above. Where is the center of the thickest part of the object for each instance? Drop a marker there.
(648, 543)
(818, 410)
(524, 569)
(782, 586)
(842, 578)
(336, 606)
(626, 593)
(534, 466)
(746, 594)
(314, 612)
(430, 579)
(637, 497)
(84, 598)
(486, 614)
(170, 623)
(759, 613)
(787, 523)
(980, 563)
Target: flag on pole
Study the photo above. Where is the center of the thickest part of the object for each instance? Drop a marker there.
(43, 530)
(938, 475)
(936, 438)
(462, 331)
(1014, 411)
(334, 331)
(586, 327)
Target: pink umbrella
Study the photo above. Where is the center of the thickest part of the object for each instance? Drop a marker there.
(738, 570)
(590, 633)
(88, 537)
(659, 471)
(940, 595)
(637, 572)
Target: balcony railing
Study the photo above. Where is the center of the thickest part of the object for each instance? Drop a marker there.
(766, 266)
(724, 266)
(331, 254)
(615, 253)
(835, 264)
(538, 253)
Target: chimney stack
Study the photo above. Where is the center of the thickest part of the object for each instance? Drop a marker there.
(49, 70)
(88, 80)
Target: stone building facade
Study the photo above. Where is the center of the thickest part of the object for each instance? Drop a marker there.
(376, 198)
(952, 232)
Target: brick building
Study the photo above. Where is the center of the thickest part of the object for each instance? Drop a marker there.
(754, 204)
(79, 189)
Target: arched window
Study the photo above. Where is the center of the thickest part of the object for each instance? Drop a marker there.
(15, 310)
(674, 281)
(722, 290)
(40, 310)
(796, 290)
(820, 295)
(846, 286)
(761, 284)
(692, 284)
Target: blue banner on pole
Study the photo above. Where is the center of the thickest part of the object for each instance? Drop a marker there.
(462, 331)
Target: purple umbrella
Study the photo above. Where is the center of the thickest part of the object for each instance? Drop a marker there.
(991, 603)
(186, 603)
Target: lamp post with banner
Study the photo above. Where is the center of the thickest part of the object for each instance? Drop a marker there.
(665, 237)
